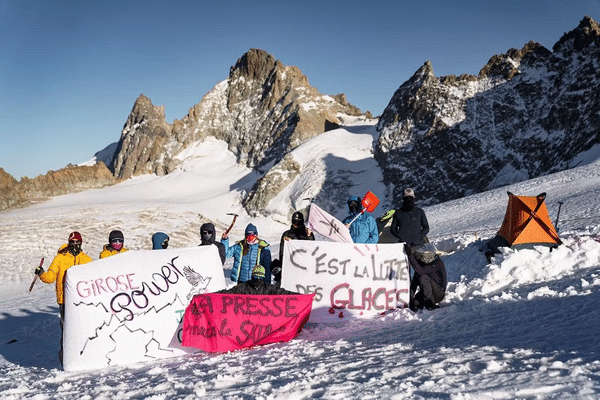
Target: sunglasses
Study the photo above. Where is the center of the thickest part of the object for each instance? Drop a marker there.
(117, 241)
(75, 242)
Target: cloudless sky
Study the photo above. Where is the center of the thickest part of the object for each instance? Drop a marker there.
(70, 71)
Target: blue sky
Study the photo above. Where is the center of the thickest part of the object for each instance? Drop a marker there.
(70, 71)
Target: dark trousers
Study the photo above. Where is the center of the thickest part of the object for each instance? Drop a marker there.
(429, 294)
(62, 320)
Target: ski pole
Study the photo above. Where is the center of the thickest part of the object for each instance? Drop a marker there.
(36, 276)
(560, 203)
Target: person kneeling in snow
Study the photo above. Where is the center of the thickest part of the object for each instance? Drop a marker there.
(256, 285)
(429, 277)
(115, 244)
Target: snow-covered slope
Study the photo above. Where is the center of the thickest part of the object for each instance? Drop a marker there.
(524, 326)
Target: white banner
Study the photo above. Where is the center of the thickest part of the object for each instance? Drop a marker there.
(129, 307)
(327, 227)
(349, 280)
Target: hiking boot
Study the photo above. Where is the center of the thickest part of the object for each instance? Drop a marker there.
(430, 305)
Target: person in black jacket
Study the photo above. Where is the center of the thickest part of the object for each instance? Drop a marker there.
(409, 223)
(208, 235)
(429, 278)
(298, 231)
(257, 285)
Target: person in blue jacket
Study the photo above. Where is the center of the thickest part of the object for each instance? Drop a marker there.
(248, 253)
(160, 240)
(364, 227)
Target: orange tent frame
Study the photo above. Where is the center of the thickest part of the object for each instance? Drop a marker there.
(526, 224)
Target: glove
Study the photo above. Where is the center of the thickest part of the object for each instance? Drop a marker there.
(39, 271)
(276, 270)
(389, 214)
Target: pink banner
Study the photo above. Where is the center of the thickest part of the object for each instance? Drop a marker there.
(218, 322)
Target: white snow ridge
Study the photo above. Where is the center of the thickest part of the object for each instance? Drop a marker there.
(525, 326)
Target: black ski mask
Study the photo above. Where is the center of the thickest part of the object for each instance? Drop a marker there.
(408, 203)
(354, 206)
(207, 233)
(75, 247)
(297, 220)
(206, 236)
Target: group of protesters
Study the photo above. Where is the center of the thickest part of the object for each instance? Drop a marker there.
(409, 225)
(253, 268)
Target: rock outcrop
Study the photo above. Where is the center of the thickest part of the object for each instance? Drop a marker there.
(262, 110)
(70, 179)
(529, 112)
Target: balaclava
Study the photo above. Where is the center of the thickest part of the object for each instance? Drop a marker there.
(354, 206)
(251, 234)
(116, 239)
(298, 221)
(160, 240)
(408, 203)
(207, 233)
(75, 243)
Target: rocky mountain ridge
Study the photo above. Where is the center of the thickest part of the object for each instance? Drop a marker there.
(528, 113)
(70, 179)
(262, 110)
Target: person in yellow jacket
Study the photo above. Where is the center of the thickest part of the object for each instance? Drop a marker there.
(115, 244)
(69, 254)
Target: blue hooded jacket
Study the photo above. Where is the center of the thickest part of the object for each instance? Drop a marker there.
(364, 228)
(244, 263)
(158, 239)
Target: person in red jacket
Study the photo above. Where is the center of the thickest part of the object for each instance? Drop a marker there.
(69, 254)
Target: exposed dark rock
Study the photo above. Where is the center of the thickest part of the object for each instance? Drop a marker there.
(529, 112)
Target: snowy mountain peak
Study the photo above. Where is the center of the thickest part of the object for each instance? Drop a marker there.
(530, 112)
(145, 129)
(262, 110)
(580, 38)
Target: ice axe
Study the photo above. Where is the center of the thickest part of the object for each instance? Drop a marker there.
(232, 222)
(560, 203)
(36, 276)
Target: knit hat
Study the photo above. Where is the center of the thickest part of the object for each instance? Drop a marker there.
(258, 272)
(408, 192)
(75, 236)
(115, 235)
(250, 229)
